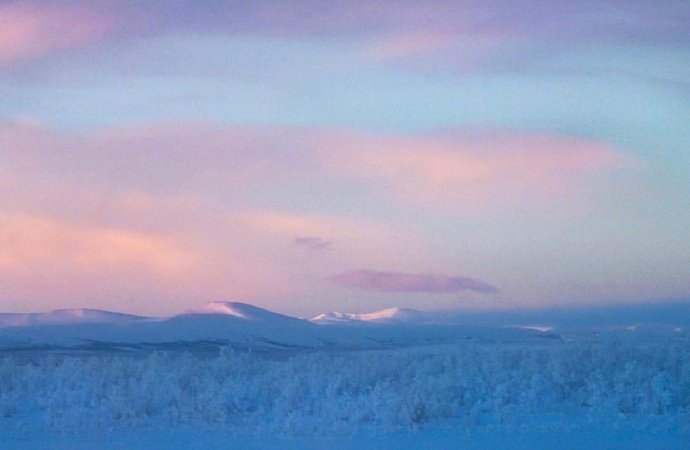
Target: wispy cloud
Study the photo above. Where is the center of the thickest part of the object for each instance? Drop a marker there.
(475, 171)
(450, 170)
(31, 28)
(393, 30)
(311, 242)
(196, 210)
(362, 17)
(47, 259)
(370, 280)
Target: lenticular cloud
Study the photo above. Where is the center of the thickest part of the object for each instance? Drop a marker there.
(371, 280)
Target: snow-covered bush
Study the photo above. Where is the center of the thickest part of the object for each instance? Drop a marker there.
(465, 385)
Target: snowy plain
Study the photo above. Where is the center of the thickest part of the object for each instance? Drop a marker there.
(231, 375)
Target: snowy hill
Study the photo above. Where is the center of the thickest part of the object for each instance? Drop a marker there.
(239, 325)
(389, 315)
(242, 311)
(242, 325)
(65, 316)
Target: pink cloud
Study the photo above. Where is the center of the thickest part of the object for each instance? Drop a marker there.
(36, 240)
(474, 171)
(29, 29)
(408, 44)
(370, 280)
(311, 242)
(47, 260)
(471, 171)
(57, 262)
(65, 244)
(193, 212)
(424, 48)
(160, 157)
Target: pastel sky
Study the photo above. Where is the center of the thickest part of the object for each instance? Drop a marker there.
(308, 156)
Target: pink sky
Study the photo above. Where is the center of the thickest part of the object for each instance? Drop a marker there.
(309, 157)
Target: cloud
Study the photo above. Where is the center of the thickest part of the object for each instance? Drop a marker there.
(311, 242)
(369, 17)
(466, 170)
(49, 261)
(204, 211)
(370, 280)
(67, 239)
(390, 30)
(427, 51)
(29, 29)
(29, 240)
(477, 171)
(401, 45)
(146, 250)
(159, 157)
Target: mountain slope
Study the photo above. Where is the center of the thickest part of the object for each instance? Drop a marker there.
(222, 322)
(65, 316)
(389, 315)
(246, 326)
(242, 311)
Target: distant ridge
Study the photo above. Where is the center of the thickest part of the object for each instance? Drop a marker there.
(221, 323)
(65, 316)
(242, 311)
(389, 315)
(247, 326)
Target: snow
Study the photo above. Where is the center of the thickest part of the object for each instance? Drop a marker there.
(542, 328)
(466, 385)
(241, 310)
(385, 315)
(230, 374)
(64, 316)
(230, 322)
(230, 308)
(246, 326)
(494, 439)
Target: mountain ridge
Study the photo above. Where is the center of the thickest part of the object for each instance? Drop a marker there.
(388, 315)
(66, 316)
(247, 326)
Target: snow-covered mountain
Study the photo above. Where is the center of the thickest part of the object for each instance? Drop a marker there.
(246, 326)
(65, 316)
(389, 315)
(235, 323)
(242, 311)
(80, 370)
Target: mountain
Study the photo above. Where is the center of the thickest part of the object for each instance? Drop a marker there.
(240, 325)
(65, 316)
(244, 326)
(234, 323)
(389, 315)
(243, 311)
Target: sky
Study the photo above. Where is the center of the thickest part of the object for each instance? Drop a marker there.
(309, 156)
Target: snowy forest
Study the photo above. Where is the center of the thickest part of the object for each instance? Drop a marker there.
(464, 385)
